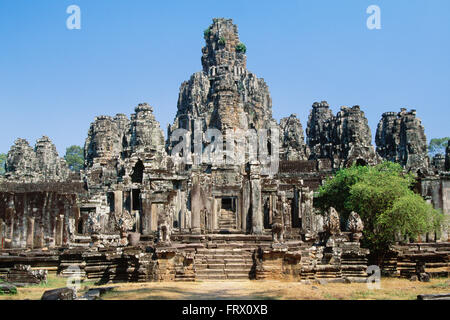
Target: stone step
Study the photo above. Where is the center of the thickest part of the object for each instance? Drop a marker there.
(241, 276)
(209, 272)
(238, 271)
(245, 265)
(225, 256)
(216, 266)
(211, 277)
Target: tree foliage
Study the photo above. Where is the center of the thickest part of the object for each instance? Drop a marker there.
(2, 163)
(207, 32)
(437, 145)
(241, 48)
(74, 157)
(383, 197)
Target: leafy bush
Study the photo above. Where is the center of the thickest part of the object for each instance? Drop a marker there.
(222, 41)
(382, 196)
(207, 32)
(241, 48)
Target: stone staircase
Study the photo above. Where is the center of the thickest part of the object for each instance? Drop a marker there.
(224, 261)
(227, 220)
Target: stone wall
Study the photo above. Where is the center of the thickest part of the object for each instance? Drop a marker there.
(43, 217)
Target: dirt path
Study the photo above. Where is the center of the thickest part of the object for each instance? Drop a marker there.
(391, 289)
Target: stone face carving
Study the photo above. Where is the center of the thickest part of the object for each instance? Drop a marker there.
(318, 131)
(292, 140)
(355, 226)
(41, 164)
(345, 139)
(225, 95)
(352, 140)
(401, 138)
(145, 134)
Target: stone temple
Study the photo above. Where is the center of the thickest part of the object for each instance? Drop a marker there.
(227, 194)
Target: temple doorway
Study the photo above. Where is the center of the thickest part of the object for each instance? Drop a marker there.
(227, 213)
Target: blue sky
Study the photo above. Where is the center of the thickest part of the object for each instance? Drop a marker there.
(54, 81)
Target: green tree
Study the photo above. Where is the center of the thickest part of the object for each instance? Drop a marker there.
(74, 158)
(383, 198)
(2, 163)
(437, 145)
(241, 48)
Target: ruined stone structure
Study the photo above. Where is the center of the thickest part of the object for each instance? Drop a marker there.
(227, 195)
(25, 164)
(401, 138)
(344, 139)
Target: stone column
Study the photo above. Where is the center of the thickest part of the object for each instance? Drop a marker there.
(118, 202)
(214, 221)
(255, 187)
(154, 217)
(30, 233)
(2, 236)
(59, 230)
(183, 210)
(196, 205)
(245, 205)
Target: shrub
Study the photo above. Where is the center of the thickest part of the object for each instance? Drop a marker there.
(241, 48)
(222, 41)
(382, 196)
(206, 33)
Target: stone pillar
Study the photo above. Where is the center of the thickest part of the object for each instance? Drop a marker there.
(196, 205)
(245, 205)
(255, 187)
(2, 236)
(60, 230)
(30, 233)
(146, 214)
(38, 235)
(215, 224)
(238, 211)
(183, 210)
(118, 202)
(153, 217)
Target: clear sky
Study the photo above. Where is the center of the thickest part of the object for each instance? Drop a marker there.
(54, 81)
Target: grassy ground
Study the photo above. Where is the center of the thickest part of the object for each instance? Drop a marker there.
(391, 289)
(34, 292)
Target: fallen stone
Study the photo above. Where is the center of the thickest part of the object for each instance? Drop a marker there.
(7, 288)
(60, 294)
(413, 278)
(445, 296)
(102, 290)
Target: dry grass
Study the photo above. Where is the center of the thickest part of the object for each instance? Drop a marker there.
(34, 292)
(391, 289)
